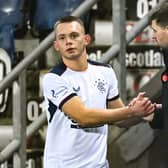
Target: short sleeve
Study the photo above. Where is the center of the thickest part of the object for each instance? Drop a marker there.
(56, 89)
(113, 85)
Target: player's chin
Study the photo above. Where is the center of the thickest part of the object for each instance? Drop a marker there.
(72, 56)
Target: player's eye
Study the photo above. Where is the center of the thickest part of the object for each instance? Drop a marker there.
(74, 35)
(61, 37)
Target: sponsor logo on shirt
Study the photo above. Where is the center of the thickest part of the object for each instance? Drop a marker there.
(76, 89)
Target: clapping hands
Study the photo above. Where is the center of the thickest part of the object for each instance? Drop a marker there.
(142, 106)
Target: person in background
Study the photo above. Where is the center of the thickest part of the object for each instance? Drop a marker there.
(159, 24)
(82, 98)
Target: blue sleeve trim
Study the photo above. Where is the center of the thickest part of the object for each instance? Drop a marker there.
(66, 99)
(114, 98)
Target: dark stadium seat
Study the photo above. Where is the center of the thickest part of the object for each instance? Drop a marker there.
(11, 23)
(10, 12)
(7, 40)
(48, 11)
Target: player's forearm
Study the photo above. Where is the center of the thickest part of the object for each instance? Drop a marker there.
(89, 116)
(86, 116)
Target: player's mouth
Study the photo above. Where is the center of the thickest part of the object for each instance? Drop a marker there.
(70, 50)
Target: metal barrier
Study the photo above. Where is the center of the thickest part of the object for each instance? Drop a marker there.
(6, 134)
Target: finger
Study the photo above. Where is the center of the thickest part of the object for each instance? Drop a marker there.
(133, 101)
(158, 106)
(149, 109)
(141, 95)
(145, 101)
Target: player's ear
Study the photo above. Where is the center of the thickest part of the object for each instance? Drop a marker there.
(56, 45)
(167, 29)
(87, 39)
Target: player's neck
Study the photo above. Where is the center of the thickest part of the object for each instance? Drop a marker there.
(79, 64)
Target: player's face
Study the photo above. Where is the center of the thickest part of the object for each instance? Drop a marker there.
(71, 40)
(160, 34)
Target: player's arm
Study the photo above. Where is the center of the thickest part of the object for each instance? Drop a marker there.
(126, 122)
(86, 116)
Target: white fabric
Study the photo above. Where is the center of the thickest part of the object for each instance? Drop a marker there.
(68, 145)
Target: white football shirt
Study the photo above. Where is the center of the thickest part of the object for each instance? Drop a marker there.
(67, 144)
